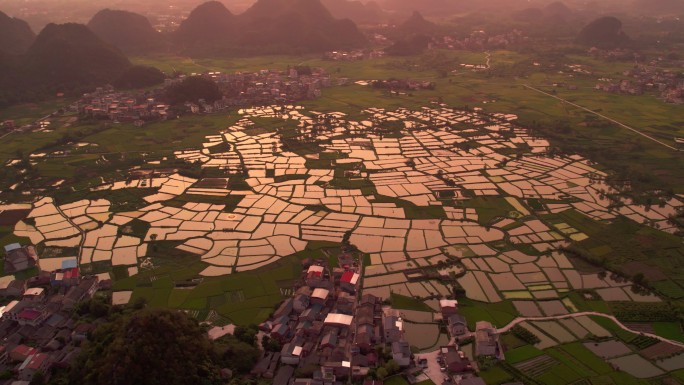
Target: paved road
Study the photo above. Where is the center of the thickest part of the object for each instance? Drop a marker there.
(8, 133)
(575, 315)
(603, 116)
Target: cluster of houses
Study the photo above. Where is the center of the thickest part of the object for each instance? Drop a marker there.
(407, 84)
(330, 334)
(479, 41)
(263, 87)
(356, 55)
(669, 84)
(106, 104)
(454, 362)
(614, 54)
(37, 330)
(238, 90)
(323, 327)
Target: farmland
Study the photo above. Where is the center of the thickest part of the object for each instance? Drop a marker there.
(460, 191)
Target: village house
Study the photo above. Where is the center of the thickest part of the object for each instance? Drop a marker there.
(18, 258)
(455, 360)
(345, 303)
(4, 355)
(487, 340)
(10, 287)
(285, 309)
(320, 296)
(34, 363)
(34, 294)
(401, 353)
(393, 328)
(314, 276)
(448, 307)
(349, 281)
(85, 290)
(457, 325)
(301, 301)
(21, 352)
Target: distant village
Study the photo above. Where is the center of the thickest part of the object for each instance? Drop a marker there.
(668, 84)
(479, 40)
(39, 329)
(355, 55)
(330, 335)
(238, 90)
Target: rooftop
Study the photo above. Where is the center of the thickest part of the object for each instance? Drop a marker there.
(350, 277)
(448, 303)
(34, 291)
(320, 293)
(340, 319)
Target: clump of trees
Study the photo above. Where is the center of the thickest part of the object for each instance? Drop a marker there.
(140, 77)
(192, 89)
(142, 346)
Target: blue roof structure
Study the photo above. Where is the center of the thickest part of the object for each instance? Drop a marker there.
(69, 263)
(12, 246)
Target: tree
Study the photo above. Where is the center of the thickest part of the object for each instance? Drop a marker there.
(38, 378)
(392, 367)
(246, 334)
(236, 354)
(193, 89)
(147, 348)
(381, 373)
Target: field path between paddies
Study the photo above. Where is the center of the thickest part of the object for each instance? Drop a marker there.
(588, 313)
(602, 116)
(80, 230)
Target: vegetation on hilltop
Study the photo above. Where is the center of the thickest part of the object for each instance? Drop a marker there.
(192, 89)
(205, 28)
(417, 25)
(128, 31)
(15, 35)
(269, 26)
(67, 58)
(140, 77)
(135, 345)
(360, 12)
(604, 32)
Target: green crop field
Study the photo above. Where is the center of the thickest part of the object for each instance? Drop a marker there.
(407, 303)
(522, 353)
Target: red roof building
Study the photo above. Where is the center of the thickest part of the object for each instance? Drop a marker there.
(21, 352)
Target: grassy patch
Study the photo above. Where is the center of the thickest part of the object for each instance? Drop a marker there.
(495, 375)
(499, 314)
(407, 303)
(522, 353)
(669, 330)
(396, 380)
(586, 358)
(489, 208)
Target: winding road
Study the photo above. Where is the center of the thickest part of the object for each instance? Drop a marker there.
(575, 315)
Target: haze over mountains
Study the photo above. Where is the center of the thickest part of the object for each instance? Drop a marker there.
(72, 56)
(271, 26)
(63, 58)
(128, 31)
(604, 32)
(15, 35)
